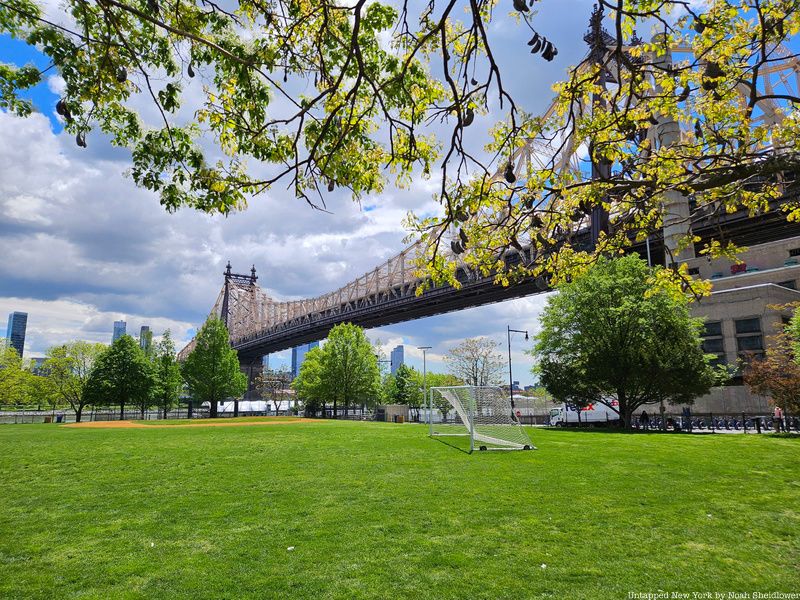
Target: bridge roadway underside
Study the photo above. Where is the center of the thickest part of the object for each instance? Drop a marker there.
(739, 228)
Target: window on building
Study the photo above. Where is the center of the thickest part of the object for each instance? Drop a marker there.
(694, 271)
(792, 285)
(749, 341)
(794, 252)
(713, 342)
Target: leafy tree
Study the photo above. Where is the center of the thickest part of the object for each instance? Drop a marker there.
(405, 387)
(777, 375)
(310, 385)
(375, 74)
(167, 379)
(343, 372)
(611, 336)
(476, 362)
(68, 368)
(122, 374)
(349, 367)
(211, 372)
(13, 377)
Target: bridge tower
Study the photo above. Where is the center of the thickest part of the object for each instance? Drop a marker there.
(252, 367)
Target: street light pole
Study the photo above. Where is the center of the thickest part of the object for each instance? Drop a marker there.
(510, 377)
(425, 381)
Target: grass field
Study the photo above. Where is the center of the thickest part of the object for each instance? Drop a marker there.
(381, 511)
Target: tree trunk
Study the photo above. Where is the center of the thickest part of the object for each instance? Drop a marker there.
(334, 408)
(142, 411)
(165, 411)
(121, 411)
(213, 409)
(78, 412)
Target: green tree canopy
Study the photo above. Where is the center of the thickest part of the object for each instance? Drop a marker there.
(328, 94)
(167, 379)
(343, 372)
(121, 375)
(15, 379)
(211, 372)
(67, 370)
(610, 336)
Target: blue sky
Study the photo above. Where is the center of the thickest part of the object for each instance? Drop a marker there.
(84, 247)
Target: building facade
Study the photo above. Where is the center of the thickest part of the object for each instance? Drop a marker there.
(397, 358)
(751, 301)
(119, 330)
(299, 354)
(15, 332)
(145, 337)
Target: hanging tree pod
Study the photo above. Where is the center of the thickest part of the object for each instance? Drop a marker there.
(80, 139)
(521, 6)
(122, 75)
(508, 174)
(469, 116)
(190, 70)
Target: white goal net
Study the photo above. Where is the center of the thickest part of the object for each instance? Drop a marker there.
(483, 414)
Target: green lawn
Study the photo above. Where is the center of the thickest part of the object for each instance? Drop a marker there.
(381, 511)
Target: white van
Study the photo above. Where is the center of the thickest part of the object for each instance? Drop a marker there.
(594, 412)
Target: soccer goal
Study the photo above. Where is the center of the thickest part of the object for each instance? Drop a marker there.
(482, 413)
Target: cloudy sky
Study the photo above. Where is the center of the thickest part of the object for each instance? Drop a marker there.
(81, 246)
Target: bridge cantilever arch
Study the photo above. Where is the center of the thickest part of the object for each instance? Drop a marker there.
(259, 324)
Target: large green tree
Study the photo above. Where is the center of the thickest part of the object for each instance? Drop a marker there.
(211, 372)
(350, 367)
(612, 336)
(122, 375)
(67, 370)
(310, 385)
(14, 377)
(329, 94)
(343, 372)
(167, 379)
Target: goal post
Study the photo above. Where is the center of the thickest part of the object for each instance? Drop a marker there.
(481, 413)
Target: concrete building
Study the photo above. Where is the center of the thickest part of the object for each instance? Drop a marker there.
(299, 354)
(15, 332)
(397, 358)
(747, 307)
(119, 330)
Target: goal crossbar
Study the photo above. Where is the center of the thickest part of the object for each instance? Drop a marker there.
(484, 413)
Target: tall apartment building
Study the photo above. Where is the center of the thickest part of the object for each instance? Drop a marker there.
(397, 358)
(299, 354)
(119, 330)
(15, 332)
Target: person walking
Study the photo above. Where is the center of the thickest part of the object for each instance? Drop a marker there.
(777, 419)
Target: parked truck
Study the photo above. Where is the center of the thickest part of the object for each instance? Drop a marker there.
(594, 412)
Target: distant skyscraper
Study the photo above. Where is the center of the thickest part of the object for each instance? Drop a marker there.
(397, 358)
(265, 362)
(145, 337)
(119, 330)
(299, 354)
(15, 333)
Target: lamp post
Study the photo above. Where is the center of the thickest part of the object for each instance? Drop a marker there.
(425, 381)
(510, 377)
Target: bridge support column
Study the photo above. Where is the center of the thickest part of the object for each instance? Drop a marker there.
(677, 220)
(252, 368)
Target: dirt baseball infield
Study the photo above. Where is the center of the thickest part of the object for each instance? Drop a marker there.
(199, 423)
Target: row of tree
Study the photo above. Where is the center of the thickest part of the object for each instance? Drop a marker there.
(80, 374)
